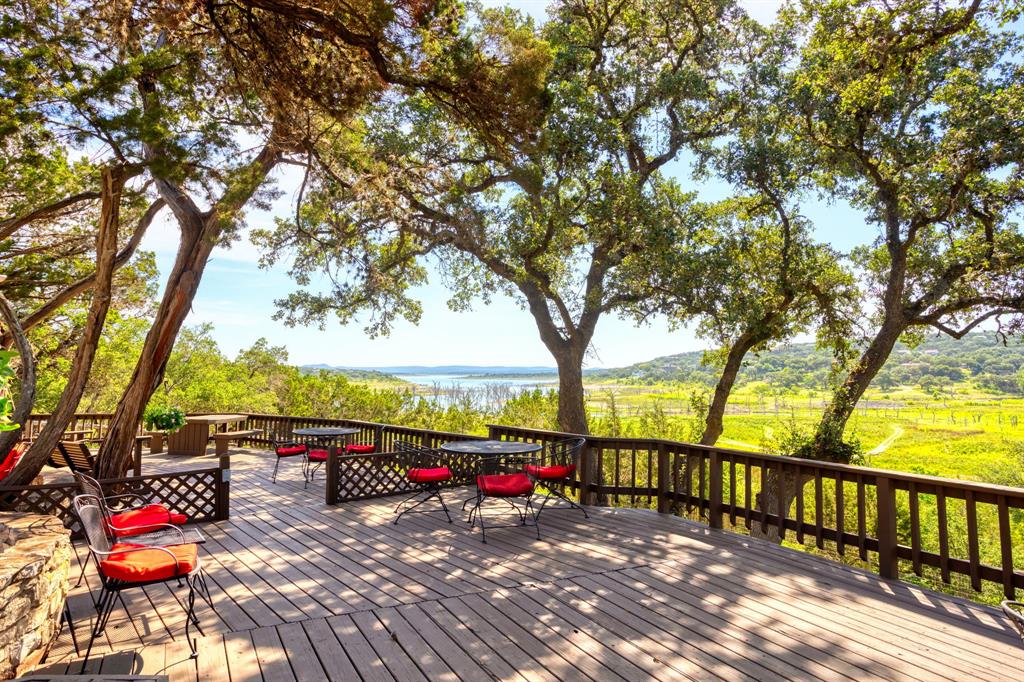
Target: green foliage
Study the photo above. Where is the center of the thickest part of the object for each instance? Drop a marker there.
(7, 377)
(163, 418)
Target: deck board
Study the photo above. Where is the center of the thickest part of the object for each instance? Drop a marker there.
(304, 592)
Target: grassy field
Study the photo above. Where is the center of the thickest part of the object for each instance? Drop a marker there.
(963, 434)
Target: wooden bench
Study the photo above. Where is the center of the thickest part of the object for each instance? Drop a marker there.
(222, 439)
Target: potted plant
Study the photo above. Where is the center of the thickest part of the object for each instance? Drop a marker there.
(160, 420)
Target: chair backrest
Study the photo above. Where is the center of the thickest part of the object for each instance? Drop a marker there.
(76, 452)
(414, 456)
(564, 451)
(89, 510)
(89, 486)
(1014, 610)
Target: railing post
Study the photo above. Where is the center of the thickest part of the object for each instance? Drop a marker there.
(888, 562)
(137, 465)
(332, 475)
(664, 479)
(224, 489)
(584, 470)
(378, 438)
(715, 490)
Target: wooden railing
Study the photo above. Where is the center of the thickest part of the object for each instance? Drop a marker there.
(876, 513)
(891, 521)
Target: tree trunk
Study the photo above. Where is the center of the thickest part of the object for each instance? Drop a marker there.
(199, 233)
(716, 411)
(27, 391)
(833, 422)
(572, 413)
(769, 499)
(115, 455)
(112, 182)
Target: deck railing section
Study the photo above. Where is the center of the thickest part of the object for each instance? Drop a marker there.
(878, 516)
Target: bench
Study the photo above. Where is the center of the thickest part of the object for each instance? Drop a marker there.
(222, 439)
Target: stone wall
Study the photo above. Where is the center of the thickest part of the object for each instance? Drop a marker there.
(35, 557)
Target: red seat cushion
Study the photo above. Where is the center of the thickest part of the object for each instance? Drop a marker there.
(505, 485)
(316, 455)
(429, 475)
(360, 449)
(555, 472)
(290, 450)
(11, 460)
(144, 520)
(149, 564)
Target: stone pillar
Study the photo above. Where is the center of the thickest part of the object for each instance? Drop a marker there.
(35, 558)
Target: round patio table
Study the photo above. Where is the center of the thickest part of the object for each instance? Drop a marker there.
(322, 433)
(490, 451)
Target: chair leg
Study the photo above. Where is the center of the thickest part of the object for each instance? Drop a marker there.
(105, 605)
(190, 616)
(432, 491)
(273, 479)
(85, 564)
(562, 496)
(65, 617)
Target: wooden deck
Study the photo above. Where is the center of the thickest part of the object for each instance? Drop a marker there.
(304, 591)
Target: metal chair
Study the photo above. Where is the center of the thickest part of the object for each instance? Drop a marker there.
(426, 469)
(125, 521)
(553, 470)
(122, 565)
(1014, 610)
(285, 449)
(508, 488)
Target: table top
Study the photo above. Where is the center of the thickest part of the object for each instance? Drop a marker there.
(325, 431)
(490, 447)
(168, 537)
(215, 418)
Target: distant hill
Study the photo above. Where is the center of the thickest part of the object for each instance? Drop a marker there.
(460, 370)
(937, 362)
(357, 374)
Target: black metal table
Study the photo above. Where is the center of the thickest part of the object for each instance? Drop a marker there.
(490, 452)
(322, 433)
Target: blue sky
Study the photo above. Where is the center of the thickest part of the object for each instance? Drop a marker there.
(238, 297)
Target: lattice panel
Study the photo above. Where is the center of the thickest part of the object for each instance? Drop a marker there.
(365, 476)
(193, 493)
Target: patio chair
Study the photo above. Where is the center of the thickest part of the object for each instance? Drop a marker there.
(77, 455)
(364, 448)
(316, 457)
(11, 460)
(285, 449)
(425, 468)
(122, 565)
(1014, 610)
(508, 488)
(125, 519)
(554, 469)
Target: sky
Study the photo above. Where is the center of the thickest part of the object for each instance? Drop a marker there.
(238, 297)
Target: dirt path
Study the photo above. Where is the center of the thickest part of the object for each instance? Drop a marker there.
(897, 431)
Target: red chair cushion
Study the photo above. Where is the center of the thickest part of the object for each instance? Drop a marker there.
(11, 460)
(290, 450)
(149, 564)
(429, 475)
(555, 472)
(144, 520)
(360, 449)
(505, 485)
(317, 455)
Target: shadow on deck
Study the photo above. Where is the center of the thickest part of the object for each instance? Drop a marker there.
(304, 591)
